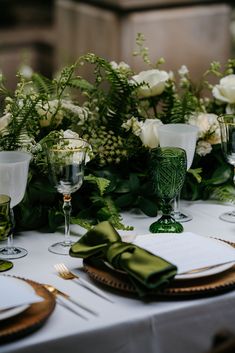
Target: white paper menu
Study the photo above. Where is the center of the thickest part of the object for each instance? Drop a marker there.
(187, 250)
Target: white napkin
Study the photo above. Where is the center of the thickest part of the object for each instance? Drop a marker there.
(187, 250)
(15, 292)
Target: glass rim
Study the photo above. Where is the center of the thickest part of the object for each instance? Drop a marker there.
(168, 148)
(16, 152)
(66, 138)
(222, 116)
(193, 128)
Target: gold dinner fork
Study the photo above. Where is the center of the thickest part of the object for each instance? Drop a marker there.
(65, 273)
(64, 298)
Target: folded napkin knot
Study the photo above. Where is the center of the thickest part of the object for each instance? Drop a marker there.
(117, 253)
(149, 273)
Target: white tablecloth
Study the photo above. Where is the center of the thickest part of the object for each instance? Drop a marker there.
(130, 325)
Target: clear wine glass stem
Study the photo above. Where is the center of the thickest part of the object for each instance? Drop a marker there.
(67, 207)
(176, 205)
(10, 237)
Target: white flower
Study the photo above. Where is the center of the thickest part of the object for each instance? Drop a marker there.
(154, 82)
(132, 124)
(208, 126)
(149, 132)
(49, 111)
(203, 148)
(183, 71)
(81, 112)
(69, 134)
(225, 90)
(121, 66)
(26, 71)
(4, 121)
(74, 144)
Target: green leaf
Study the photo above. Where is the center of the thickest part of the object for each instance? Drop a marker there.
(124, 201)
(148, 207)
(220, 176)
(134, 182)
(123, 187)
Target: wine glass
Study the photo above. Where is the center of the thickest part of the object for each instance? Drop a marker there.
(66, 160)
(14, 166)
(183, 136)
(168, 170)
(227, 131)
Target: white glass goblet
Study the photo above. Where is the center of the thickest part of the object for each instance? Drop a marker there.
(185, 137)
(66, 159)
(14, 166)
(227, 130)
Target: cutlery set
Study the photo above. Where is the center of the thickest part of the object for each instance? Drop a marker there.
(65, 300)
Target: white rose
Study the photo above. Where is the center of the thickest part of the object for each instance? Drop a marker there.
(225, 91)
(203, 148)
(69, 134)
(207, 123)
(49, 110)
(4, 121)
(154, 82)
(149, 132)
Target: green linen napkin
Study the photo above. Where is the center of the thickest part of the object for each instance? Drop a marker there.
(148, 273)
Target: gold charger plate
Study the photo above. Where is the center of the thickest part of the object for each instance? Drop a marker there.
(31, 319)
(200, 287)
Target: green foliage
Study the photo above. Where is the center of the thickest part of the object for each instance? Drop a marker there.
(110, 113)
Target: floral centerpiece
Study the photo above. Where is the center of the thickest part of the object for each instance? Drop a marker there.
(118, 114)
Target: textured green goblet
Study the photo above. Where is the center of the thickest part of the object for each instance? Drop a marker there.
(168, 166)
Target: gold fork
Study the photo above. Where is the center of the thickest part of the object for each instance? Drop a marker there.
(65, 273)
(64, 298)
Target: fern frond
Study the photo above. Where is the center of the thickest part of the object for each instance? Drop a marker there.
(101, 183)
(81, 222)
(43, 84)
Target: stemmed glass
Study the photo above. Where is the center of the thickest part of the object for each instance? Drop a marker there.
(168, 170)
(14, 166)
(182, 136)
(227, 131)
(66, 159)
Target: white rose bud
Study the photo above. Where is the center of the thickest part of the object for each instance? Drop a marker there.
(149, 132)
(154, 82)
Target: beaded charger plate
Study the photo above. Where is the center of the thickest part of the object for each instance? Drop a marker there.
(31, 319)
(198, 287)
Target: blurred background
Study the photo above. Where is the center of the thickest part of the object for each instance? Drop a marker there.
(48, 34)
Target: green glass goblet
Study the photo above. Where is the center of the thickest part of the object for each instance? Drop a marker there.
(168, 166)
(5, 226)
